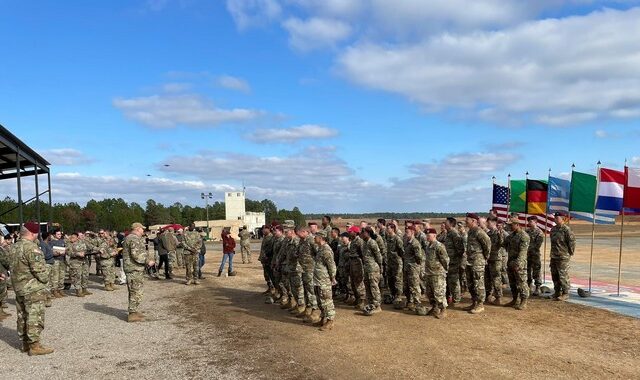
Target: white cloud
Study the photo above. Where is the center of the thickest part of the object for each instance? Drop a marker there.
(315, 33)
(176, 87)
(334, 8)
(601, 134)
(554, 71)
(66, 157)
(233, 83)
(250, 13)
(635, 161)
(290, 135)
(169, 111)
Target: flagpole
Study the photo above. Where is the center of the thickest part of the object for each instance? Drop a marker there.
(573, 168)
(526, 198)
(621, 235)
(593, 227)
(493, 178)
(509, 203)
(544, 249)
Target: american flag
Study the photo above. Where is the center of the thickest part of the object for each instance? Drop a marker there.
(501, 208)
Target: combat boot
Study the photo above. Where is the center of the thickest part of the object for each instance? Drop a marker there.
(478, 309)
(86, 292)
(299, 310)
(189, 282)
(135, 317)
(231, 274)
(327, 326)
(536, 291)
(441, 314)
(522, 305)
(497, 301)
(25, 347)
(293, 304)
(470, 307)
(313, 317)
(512, 303)
(376, 310)
(79, 293)
(307, 311)
(56, 294)
(433, 311)
(219, 273)
(350, 301)
(411, 307)
(36, 349)
(562, 297)
(196, 282)
(109, 288)
(47, 303)
(62, 295)
(320, 323)
(285, 304)
(359, 305)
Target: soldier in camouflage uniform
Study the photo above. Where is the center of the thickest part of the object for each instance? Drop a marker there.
(280, 268)
(326, 227)
(135, 259)
(478, 250)
(297, 304)
(462, 231)
(192, 243)
(356, 272)
(563, 245)
(372, 265)
(517, 246)
(5, 265)
(29, 277)
(170, 243)
(107, 251)
(436, 266)
(343, 268)
(266, 251)
(413, 261)
(180, 249)
(381, 239)
(324, 277)
(245, 245)
(493, 273)
(278, 244)
(395, 252)
(536, 238)
(305, 257)
(78, 265)
(503, 253)
(455, 246)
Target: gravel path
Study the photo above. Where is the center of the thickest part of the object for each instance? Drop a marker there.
(92, 339)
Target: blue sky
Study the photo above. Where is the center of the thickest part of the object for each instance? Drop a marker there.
(336, 105)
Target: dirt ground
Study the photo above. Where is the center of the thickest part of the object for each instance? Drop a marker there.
(550, 339)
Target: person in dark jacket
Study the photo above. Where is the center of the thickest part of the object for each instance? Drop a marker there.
(203, 251)
(45, 238)
(228, 250)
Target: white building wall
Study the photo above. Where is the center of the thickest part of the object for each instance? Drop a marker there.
(234, 204)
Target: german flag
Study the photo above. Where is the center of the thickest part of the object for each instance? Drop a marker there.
(537, 197)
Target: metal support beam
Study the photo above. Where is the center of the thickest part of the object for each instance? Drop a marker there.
(20, 211)
(37, 198)
(50, 207)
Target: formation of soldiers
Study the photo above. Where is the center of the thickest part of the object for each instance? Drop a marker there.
(38, 267)
(306, 267)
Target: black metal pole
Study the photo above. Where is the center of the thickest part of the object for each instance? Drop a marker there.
(20, 214)
(49, 224)
(37, 196)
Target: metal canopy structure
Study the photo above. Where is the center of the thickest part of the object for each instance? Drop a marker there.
(17, 160)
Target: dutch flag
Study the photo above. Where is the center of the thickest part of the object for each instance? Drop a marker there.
(610, 195)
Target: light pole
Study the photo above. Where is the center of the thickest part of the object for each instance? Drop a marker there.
(206, 198)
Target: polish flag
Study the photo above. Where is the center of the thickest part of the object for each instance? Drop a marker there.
(632, 191)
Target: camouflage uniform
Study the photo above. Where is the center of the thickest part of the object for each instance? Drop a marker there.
(135, 259)
(295, 271)
(279, 245)
(280, 269)
(107, 249)
(478, 249)
(413, 260)
(266, 251)
(343, 270)
(462, 271)
(78, 266)
(517, 245)
(29, 277)
(536, 238)
(422, 239)
(180, 251)
(5, 264)
(324, 273)
(493, 273)
(382, 244)
(436, 266)
(395, 252)
(59, 266)
(192, 244)
(372, 265)
(245, 246)
(563, 245)
(356, 273)
(455, 246)
(170, 243)
(305, 257)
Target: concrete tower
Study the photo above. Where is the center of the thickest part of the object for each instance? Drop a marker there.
(234, 205)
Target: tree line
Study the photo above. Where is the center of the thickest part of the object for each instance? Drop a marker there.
(118, 215)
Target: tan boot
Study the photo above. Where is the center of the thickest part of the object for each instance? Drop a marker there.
(522, 305)
(320, 323)
(196, 282)
(189, 282)
(497, 301)
(37, 349)
(512, 303)
(135, 317)
(56, 294)
(306, 312)
(478, 309)
(62, 295)
(327, 326)
(470, 307)
(285, 303)
(293, 305)
(79, 293)
(359, 305)
(442, 314)
(109, 288)
(562, 297)
(411, 307)
(314, 317)
(299, 311)
(86, 292)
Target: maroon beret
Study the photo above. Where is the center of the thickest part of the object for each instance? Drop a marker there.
(473, 216)
(32, 227)
(432, 231)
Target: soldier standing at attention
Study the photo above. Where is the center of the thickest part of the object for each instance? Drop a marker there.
(462, 231)
(278, 244)
(192, 242)
(78, 268)
(107, 251)
(135, 259)
(356, 273)
(478, 250)
(266, 250)
(324, 277)
(5, 265)
(536, 238)
(245, 245)
(343, 268)
(503, 253)
(455, 247)
(372, 264)
(413, 261)
(493, 273)
(563, 245)
(306, 257)
(517, 245)
(395, 252)
(29, 278)
(436, 266)
(297, 304)
(180, 249)
(279, 268)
